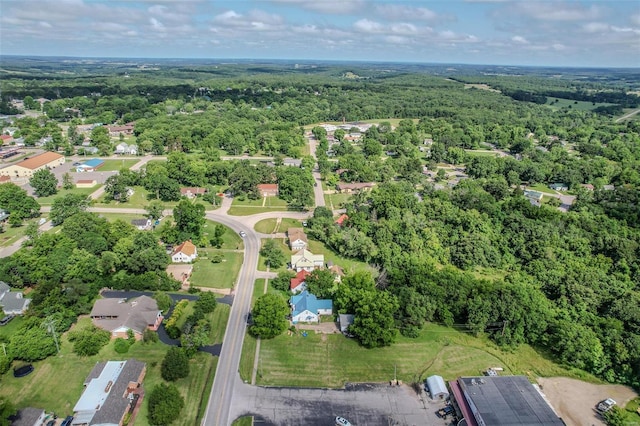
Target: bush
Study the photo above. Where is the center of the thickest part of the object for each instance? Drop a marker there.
(89, 341)
(121, 346)
(206, 303)
(217, 258)
(175, 365)
(149, 336)
(5, 364)
(165, 404)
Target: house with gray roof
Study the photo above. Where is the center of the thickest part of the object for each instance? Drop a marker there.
(119, 316)
(12, 303)
(28, 417)
(112, 389)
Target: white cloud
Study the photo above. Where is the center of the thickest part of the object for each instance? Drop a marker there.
(519, 39)
(156, 25)
(334, 7)
(557, 11)
(396, 12)
(595, 27)
(635, 19)
(404, 28)
(367, 26)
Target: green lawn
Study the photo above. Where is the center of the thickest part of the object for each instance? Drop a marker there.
(11, 234)
(249, 346)
(294, 360)
(349, 265)
(230, 239)
(577, 105)
(268, 226)
(47, 201)
(540, 187)
(216, 275)
(117, 165)
(336, 201)
(57, 382)
(219, 319)
(249, 207)
(262, 266)
(7, 330)
(137, 201)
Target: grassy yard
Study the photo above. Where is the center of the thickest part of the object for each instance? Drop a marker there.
(262, 266)
(216, 275)
(336, 201)
(11, 234)
(230, 239)
(249, 207)
(219, 319)
(249, 346)
(540, 187)
(349, 265)
(268, 226)
(57, 382)
(47, 201)
(295, 360)
(117, 165)
(137, 201)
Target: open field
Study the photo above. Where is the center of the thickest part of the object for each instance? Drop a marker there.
(575, 400)
(216, 275)
(47, 201)
(336, 201)
(230, 239)
(248, 207)
(268, 226)
(349, 265)
(47, 388)
(219, 319)
(577, 105)
(117, 165)
(282, 242)
(295, 360)
(541, 188)
(249, 346)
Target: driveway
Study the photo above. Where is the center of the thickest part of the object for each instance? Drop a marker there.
(361, 404)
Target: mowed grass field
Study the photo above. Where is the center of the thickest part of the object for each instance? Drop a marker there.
(117, 165)
(577, 105)
(331, 360)
(267, 226)
(248, 207)
(216, 275)
(47, 201)
(57, 382)
(336, 201)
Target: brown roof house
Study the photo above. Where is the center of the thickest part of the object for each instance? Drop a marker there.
(111, 390)
(119, 316)
(355, 186)
(192, 192)
(184, 253)
(268, 189)
(297, 239)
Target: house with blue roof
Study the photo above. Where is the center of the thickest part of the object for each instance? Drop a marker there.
(305, 307)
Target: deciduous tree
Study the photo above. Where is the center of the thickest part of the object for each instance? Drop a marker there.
(269, 316)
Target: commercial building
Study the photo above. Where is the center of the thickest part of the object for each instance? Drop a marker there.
(502, 401)
(27, 167)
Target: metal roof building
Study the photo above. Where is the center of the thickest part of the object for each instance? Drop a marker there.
(437, 387)
(502, 401)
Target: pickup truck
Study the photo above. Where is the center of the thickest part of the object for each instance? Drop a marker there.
(606, 405)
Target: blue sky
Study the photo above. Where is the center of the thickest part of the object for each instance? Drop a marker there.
(518, 32)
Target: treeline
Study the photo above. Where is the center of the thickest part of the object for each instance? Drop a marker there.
(571, 282)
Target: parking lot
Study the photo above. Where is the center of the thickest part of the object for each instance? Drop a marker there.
(361, 404)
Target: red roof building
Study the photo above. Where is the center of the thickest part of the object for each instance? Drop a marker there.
(268, 189)
(340, 221)
(297, 283)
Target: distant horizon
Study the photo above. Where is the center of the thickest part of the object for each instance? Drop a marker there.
(230, 60)
(547, 33)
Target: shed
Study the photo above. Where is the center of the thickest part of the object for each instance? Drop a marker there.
(437, 387)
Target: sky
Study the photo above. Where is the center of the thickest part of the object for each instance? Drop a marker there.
(603, 33)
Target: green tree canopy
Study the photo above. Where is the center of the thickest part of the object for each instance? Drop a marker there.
(175, 364)
(269, 316)
(165, 404)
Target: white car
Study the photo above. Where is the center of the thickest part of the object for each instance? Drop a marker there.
(341, 421)
(243, 234)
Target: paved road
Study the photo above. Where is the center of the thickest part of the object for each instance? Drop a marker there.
(317, 189)
(631, 114)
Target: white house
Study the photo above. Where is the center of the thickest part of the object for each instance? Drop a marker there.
(184, 253)
(297, 239)
(307, 261)
(123, 148)
(305, 307)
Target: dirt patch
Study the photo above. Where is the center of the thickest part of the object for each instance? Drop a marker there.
(323, 327)
(575, 400)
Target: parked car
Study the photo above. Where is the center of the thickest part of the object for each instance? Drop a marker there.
(606, 405)
(341, 421)
(243, 234)
(25, 370)
(6, 320)
(67, 421)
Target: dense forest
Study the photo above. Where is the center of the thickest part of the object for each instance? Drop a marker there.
(478, 253)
